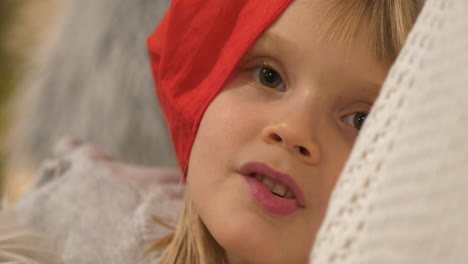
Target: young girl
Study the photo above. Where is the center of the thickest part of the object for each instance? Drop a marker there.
(264, 102)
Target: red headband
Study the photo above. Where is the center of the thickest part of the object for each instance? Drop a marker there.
(193, 52)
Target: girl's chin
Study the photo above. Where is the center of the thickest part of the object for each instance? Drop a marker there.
(250, 239)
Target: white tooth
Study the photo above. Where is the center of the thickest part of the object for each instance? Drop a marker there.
(279, 189)
(268, 182)
(258, 177)
(289, 195)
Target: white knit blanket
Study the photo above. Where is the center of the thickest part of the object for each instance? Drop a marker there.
(403, 194)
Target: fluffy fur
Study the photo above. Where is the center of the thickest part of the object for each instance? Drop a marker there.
(22, 245)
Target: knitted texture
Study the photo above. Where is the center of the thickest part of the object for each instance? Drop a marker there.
(401, 197)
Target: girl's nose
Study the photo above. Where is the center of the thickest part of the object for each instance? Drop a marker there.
(295, 138)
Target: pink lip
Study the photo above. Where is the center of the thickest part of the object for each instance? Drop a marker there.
(272, 203)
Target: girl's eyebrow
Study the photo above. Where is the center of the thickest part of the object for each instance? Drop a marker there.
(371, 90)
(274, 41)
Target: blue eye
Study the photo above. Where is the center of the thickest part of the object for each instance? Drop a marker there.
(356, 120)
(269, 78)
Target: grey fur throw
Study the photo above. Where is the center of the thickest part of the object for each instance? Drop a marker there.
(97, 210)
(23, 245)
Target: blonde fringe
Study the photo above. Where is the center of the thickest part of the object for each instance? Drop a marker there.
(388, 21)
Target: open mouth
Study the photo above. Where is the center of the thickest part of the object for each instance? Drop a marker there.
(275, 187)
(275, 191)
(279, 184)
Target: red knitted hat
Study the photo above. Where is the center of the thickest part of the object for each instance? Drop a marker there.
(193, 52)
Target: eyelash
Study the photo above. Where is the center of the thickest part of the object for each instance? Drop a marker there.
(351, 122)
(260, 65)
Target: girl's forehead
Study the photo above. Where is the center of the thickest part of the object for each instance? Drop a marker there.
(315, 19)
(303, 27)
(300, 15)
(297, 40)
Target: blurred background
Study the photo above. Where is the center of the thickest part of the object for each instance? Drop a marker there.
(77, 68)
(23, 25)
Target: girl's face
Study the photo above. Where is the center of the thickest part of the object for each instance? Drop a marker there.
(289, 116)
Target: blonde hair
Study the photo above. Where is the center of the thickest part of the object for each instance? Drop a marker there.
(388, 21)
(191, 242)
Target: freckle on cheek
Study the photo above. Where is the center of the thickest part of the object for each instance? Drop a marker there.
(227, 116)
